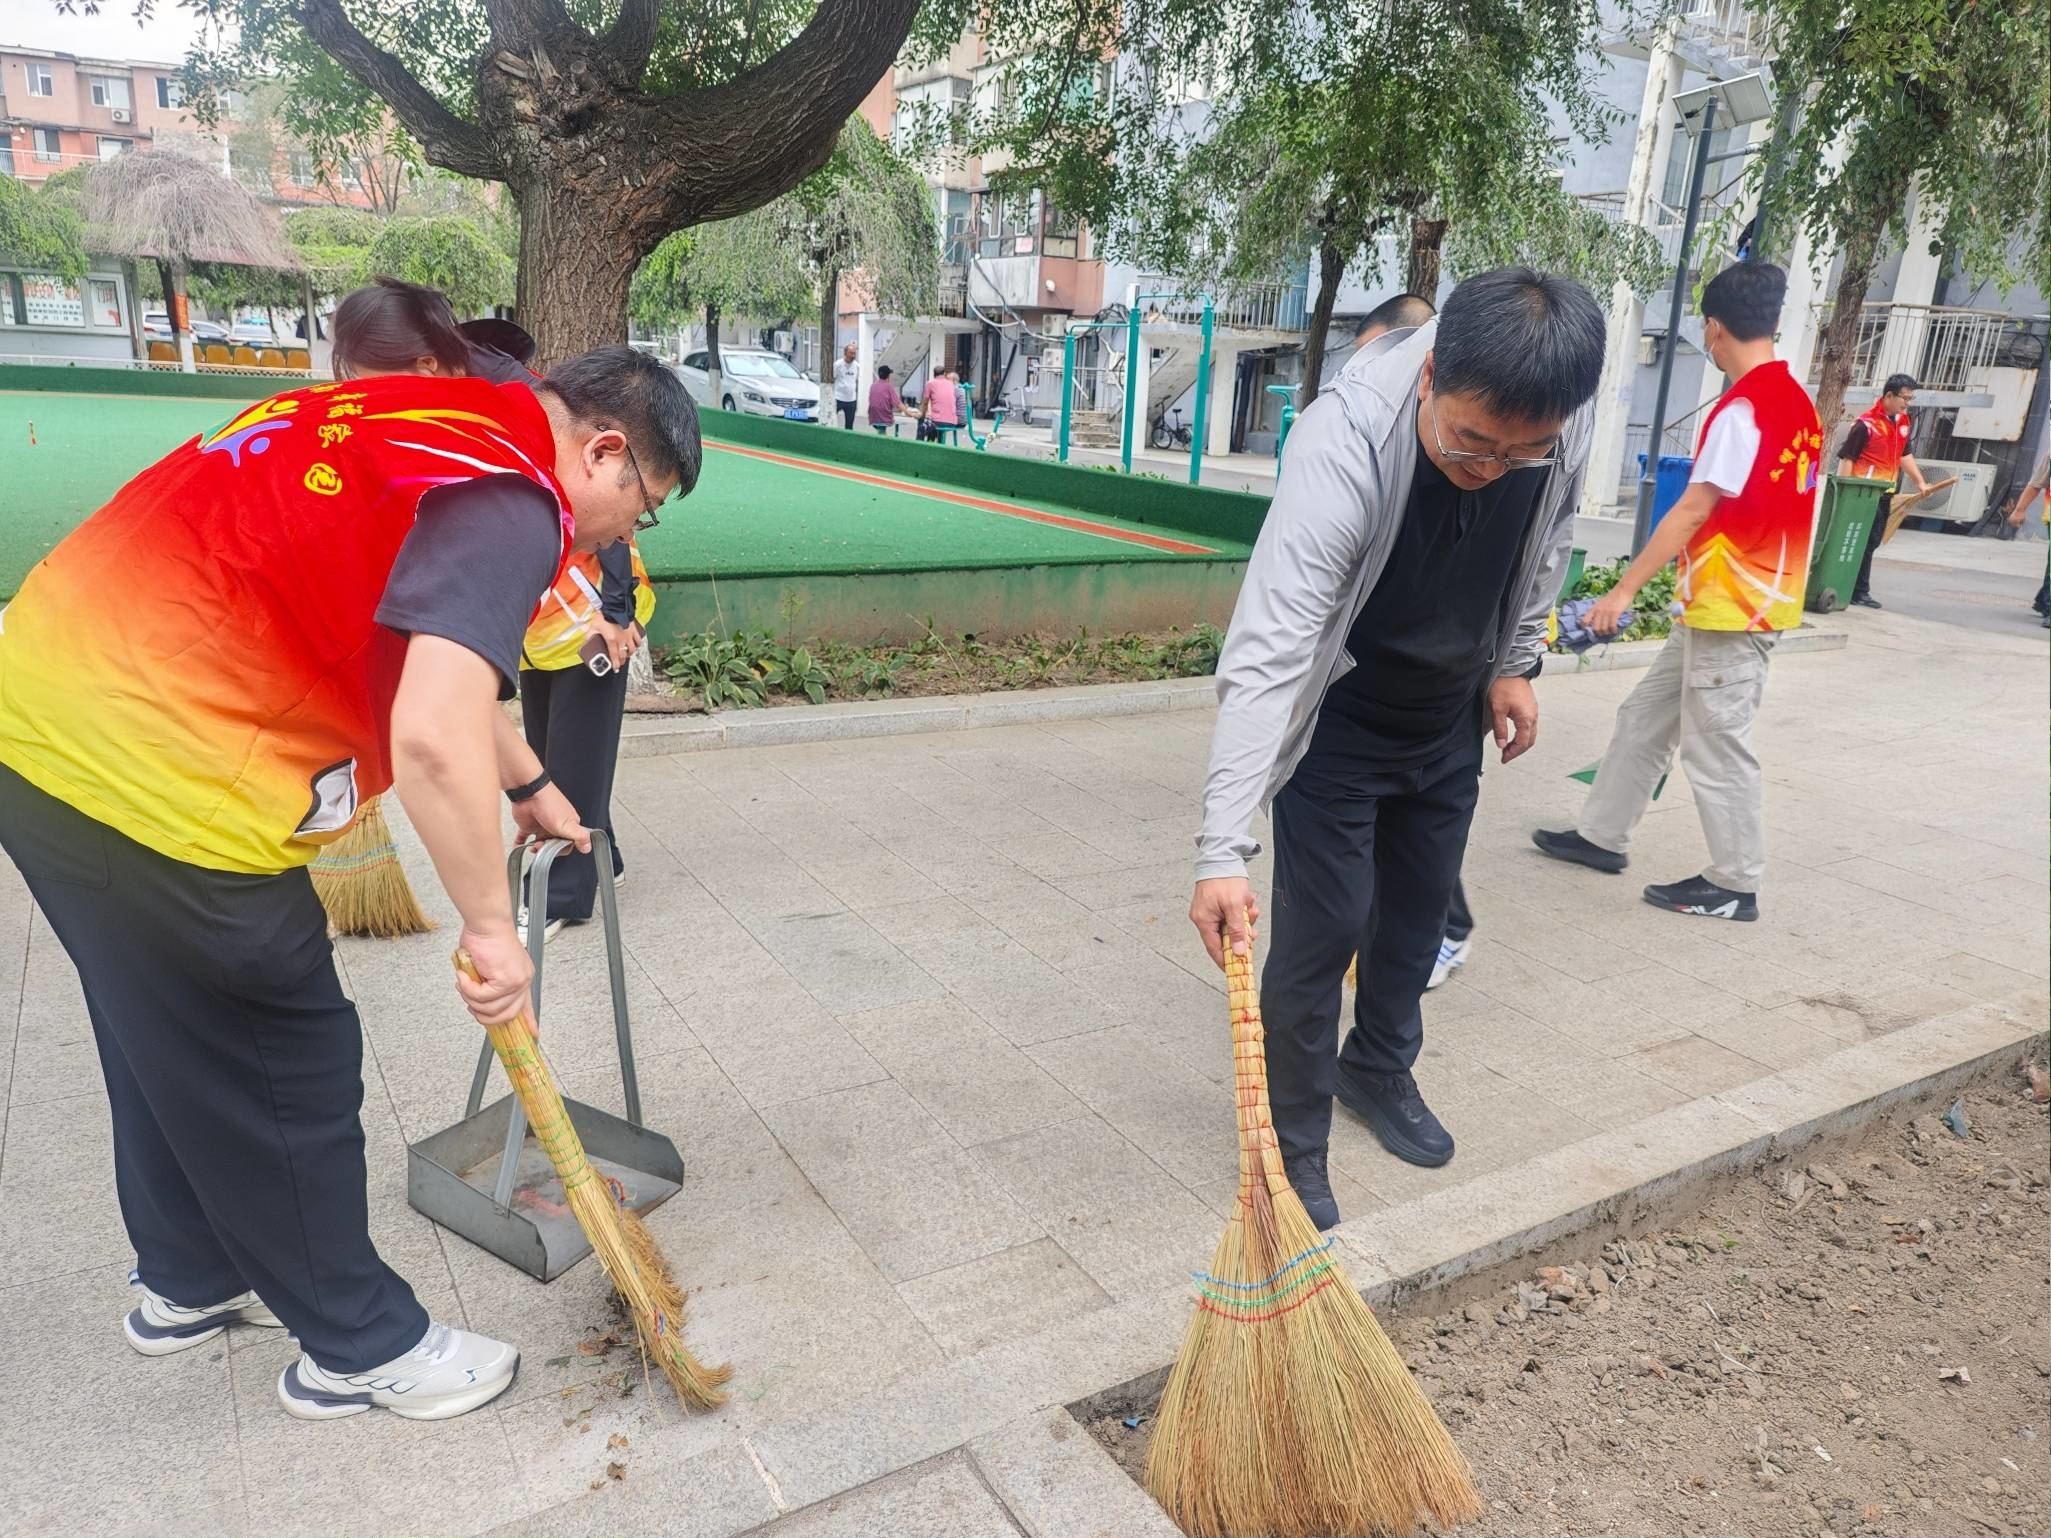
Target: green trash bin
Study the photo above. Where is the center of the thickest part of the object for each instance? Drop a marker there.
(1850, 504)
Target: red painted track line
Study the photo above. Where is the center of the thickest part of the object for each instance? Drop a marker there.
(1009, 509)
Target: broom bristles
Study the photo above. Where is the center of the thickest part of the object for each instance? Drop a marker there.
(361, 883)
(619, 1238)
(1288, 1412)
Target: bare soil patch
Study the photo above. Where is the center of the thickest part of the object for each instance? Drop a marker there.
(1854, 1347)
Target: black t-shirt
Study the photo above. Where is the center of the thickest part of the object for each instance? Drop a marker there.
(476, 562)
(1854, 442)
(1424, 647)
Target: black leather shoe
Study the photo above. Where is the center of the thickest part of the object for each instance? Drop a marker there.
(1394, 1110)
(1572, 847)
(1313, 1188)
(1866, 601)
(1703, 898)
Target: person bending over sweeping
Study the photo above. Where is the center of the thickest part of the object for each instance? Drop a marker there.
(320, 598)
(1395, 601)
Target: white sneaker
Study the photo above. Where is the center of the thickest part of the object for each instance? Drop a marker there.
(158, 1327)
(449, 1372)
(554, 928)
(1452, 957)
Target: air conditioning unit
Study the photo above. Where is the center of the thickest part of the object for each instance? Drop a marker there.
(121, 114)
(1964, 503)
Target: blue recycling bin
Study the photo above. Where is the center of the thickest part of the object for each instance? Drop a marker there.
(1668, 485)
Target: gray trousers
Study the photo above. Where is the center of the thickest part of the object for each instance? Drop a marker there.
(1702, 693)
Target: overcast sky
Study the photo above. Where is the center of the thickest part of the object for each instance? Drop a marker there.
(112, 34)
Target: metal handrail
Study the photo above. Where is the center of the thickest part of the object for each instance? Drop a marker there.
(1942, 346)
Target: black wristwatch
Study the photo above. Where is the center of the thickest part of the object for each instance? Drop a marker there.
(530, 790)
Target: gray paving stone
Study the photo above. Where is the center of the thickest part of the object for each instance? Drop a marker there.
(57, 1209)
(1183, 1121)
(712, 1493)
(845, 964)
(1002, 1297)
(1697, 1066)
(941, 1499)
(961, 1070)
(1059, 1483)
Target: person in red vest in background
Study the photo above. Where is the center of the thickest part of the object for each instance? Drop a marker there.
(1877, 447)
(1741, 532)
(320, 599)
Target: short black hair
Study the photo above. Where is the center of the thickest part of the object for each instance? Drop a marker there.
(1397, 314)
(882, 371)
(1526, 343)
(1896, 383)
(1745, 298)
(620, 388)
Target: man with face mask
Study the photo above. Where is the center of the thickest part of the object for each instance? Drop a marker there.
(1392, 608)
(321, 599)
(1741, 533)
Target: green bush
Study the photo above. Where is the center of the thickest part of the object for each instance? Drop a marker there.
(1653, 602)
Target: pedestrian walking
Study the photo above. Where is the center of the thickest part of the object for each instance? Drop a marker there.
(847, 386)
(1877, 447)
(2038, 490)
(1741, 533)
(1395, 599)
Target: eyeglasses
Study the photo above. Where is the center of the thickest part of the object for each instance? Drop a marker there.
(647, 520)
(1467, 457)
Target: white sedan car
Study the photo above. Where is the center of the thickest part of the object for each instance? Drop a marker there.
(752, 380)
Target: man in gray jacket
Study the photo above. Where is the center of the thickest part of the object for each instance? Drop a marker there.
(1394, 603)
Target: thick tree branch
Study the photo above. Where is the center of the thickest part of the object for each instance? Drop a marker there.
(708, 141)
(446, 139)
(631, 38)
(516, 23)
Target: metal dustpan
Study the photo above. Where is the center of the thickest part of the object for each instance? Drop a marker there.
(486, 1179)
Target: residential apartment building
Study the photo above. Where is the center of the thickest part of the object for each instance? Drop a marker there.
(59, 110)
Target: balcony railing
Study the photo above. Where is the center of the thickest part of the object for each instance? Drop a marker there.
(1243, 307)
(954, 290)
(1940, 345)
(1730, 25)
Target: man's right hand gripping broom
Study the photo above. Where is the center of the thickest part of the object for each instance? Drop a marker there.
(1225, 913)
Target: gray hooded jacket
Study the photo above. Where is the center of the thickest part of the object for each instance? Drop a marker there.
(1344, 486)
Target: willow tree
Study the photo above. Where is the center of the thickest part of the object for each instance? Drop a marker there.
(614, 123)
(41, 230)
(1948, 97)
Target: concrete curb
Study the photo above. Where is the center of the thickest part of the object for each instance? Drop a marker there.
(1003, 1405)
(654, 736)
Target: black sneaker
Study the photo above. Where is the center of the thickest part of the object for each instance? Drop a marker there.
(1866, 601)
(1392, 1107)
(1572, 847)
(1313, 1188)
(1703, 898)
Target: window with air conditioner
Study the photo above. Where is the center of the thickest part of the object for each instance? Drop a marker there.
(40, 80)
(110, 91)
(48, 146)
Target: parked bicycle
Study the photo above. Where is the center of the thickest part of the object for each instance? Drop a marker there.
(1167, 436)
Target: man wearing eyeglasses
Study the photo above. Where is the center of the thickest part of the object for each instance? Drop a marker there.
(320, 600)
(1394, 603)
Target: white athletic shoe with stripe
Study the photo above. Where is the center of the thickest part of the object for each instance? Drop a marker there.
(449, 1372)
(158, 1327)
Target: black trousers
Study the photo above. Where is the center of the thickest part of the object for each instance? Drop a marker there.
(1863, 586)
(847, 414)
(234, 1069)
(572, 720)
(1459, 917)
(1366, 861)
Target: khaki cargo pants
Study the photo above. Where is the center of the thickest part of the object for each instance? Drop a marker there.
(1702, 693)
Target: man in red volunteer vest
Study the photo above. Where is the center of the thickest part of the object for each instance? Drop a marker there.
(1877, 447)
(1741, 533)
(321, 599)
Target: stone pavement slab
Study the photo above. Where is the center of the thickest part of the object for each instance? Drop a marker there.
(950, 1077)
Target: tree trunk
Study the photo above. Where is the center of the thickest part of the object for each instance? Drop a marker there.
(177, 309)
(829, 340)
(578, 252)
(1426, 236)
(1841, 336)
(1331, 266)
(714, 383)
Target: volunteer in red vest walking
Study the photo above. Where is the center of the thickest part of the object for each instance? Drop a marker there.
(1741, 533)
(321, 598)
(1877, 447)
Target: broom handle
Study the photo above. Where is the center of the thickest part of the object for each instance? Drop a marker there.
(520, 1052)
(1258, 1151)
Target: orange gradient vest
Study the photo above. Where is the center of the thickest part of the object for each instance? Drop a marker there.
(1744, 569)
(556, 637)
(1887, 439)
(197, 666)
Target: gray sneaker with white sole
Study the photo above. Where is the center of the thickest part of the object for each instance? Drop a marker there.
(158, 1327)
(450, 1372)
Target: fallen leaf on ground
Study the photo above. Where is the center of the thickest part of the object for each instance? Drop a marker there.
(617, 1440)
(615, 1471)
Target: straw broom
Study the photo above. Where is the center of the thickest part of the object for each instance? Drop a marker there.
(362, 884)
(619, 1238)
(1288, 1413)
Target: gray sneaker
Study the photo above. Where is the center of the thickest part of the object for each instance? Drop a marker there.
(451, 1371)
(158, 1327)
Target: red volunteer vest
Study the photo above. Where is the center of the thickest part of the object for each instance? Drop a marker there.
(1887, 439)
